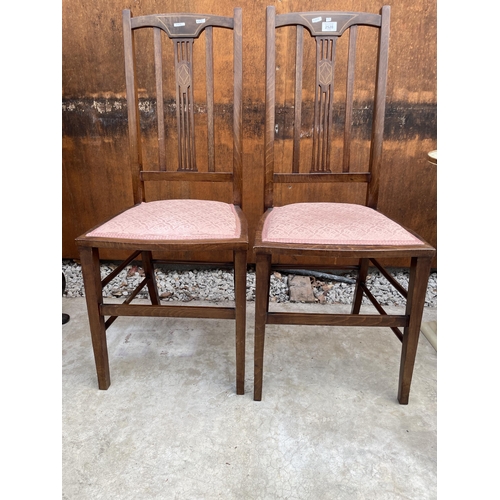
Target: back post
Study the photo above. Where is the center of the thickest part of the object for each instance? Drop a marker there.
(238, 108)
(379, 109)
(135, 154)
(270, 103)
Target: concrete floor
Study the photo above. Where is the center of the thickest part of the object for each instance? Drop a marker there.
(171, 426)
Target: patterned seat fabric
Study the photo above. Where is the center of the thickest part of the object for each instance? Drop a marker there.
(173, 220)
(333, 224)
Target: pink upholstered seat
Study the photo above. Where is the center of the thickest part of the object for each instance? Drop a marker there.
(334, 224)
(173, 220)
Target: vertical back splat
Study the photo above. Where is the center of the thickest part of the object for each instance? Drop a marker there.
(323, 107)
(183, 54)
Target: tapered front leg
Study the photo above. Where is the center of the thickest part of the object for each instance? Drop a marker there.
(263, 279)
(417, 287)
(240, 295)
(89, 258)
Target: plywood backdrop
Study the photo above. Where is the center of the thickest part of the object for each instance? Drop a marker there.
(96, 181)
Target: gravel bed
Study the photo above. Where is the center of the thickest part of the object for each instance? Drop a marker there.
(216, 285)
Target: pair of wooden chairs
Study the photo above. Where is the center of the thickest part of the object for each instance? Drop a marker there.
(190, 123)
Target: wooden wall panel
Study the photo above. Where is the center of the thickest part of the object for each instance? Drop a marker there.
(96, 180)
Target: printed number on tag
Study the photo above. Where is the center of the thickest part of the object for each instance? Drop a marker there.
(329, 26)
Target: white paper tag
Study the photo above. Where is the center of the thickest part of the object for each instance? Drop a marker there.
(330, 26)
(316, 19)
(200, 21)
(177, 25)
(328, 19)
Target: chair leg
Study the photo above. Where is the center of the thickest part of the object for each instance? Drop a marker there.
(263, 280)
(417, 287)
(89, 258)
(358, 291)
(240, 286)
(147, 264)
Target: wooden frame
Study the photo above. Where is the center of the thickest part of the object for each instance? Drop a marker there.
(183, 30)
(420, 255)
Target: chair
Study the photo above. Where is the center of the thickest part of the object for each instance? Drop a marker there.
(193, 146)
(332, 232)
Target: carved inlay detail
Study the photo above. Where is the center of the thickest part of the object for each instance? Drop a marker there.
(325, 72)
(184, 75)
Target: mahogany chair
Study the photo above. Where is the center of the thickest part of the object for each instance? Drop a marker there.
(332, 232)
(185, 117)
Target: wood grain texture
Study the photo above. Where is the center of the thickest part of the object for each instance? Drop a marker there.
(160, 113)
(93, 296)
(353, 36)
(167, 311)
(276, 318)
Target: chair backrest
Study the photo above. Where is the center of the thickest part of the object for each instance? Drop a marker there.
(305, 127)
(161, 49)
